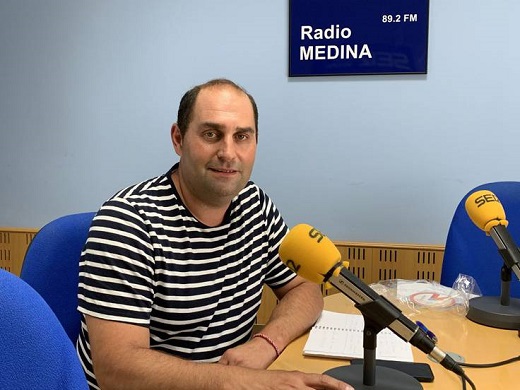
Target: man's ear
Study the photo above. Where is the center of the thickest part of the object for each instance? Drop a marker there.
(176, 137)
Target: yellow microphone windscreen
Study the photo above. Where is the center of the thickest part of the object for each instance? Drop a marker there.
(309, 253)
(485, 210)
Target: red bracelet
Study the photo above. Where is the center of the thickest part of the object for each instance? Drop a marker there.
(270, 341)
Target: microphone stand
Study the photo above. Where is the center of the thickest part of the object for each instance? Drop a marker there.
(369, 375)
(498, 312)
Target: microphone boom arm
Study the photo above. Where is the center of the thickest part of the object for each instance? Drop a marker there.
(374, 306)
(507, 248)
(382, 312)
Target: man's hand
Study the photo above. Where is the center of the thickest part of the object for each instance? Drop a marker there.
(256, 353)
(123, 360)
(259, 354)
(291, 380)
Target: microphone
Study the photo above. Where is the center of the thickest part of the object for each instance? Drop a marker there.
(312, 255)
(486, 211)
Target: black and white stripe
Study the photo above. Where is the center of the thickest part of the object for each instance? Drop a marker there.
(149, 262)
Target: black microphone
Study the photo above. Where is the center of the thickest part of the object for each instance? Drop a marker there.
(313, 256)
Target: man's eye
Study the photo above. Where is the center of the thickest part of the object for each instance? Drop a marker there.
(210, 134)
(242, 136)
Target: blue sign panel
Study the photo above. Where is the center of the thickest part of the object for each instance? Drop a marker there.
(355, 37)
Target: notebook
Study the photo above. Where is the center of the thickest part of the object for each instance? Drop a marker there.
(339, 335)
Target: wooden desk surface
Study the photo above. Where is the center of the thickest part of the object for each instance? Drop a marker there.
(476, 343)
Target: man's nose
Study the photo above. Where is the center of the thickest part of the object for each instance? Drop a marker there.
(226, 149)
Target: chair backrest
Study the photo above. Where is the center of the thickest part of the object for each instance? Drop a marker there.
(471, 252)
(35, 351)
(51, 266)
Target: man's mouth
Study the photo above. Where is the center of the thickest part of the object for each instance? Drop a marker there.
(223, 170)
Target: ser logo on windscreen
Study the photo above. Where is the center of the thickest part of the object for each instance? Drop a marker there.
(292, 265)
(316, 234)
(486, 198)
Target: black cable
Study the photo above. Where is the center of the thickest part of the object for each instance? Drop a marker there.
(457, 369)
(465, 379)
(488, 365)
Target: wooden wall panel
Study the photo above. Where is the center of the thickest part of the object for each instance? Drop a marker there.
(13, 245)
(371, 262)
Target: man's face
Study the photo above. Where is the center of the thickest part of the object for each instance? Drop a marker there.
(219, 147)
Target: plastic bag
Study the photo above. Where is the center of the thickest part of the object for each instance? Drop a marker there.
(416, 296)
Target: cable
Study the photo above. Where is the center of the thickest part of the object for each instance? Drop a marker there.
(465, 379)
(488, 365)
(457, 369)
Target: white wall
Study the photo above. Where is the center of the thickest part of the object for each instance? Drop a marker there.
(89, 89)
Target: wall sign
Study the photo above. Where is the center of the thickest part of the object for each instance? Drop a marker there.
(356, 37)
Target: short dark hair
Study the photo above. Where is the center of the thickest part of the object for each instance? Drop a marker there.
(185, 113)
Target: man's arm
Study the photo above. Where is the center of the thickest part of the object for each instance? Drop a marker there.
(300, 304)
(122, 359)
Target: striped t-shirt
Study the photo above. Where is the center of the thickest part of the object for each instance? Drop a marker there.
(149, 262)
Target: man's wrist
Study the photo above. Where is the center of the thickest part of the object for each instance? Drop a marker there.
(270, 341)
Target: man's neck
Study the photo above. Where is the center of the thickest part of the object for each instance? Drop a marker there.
(209, 215)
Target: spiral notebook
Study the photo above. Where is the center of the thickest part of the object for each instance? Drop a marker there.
(340, 335)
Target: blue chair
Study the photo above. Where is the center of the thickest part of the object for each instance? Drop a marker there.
(51, 267)
(471, 252)
(35, 351)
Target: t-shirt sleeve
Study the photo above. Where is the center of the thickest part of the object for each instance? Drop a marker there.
(116, 276)
(278, 274)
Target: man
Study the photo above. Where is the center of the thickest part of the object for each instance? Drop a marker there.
(172, 272)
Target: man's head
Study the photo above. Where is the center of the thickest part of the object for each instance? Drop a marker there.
(186, 106)
(216, 139)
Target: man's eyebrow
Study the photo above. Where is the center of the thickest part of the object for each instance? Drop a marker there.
(218, 126)
(211, 125)
(245, 129)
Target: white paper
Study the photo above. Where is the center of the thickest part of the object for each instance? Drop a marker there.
(340, 335)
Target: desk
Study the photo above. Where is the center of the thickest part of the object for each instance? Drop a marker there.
(476, 343)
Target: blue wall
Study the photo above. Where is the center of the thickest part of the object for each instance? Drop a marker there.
(89, 90)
